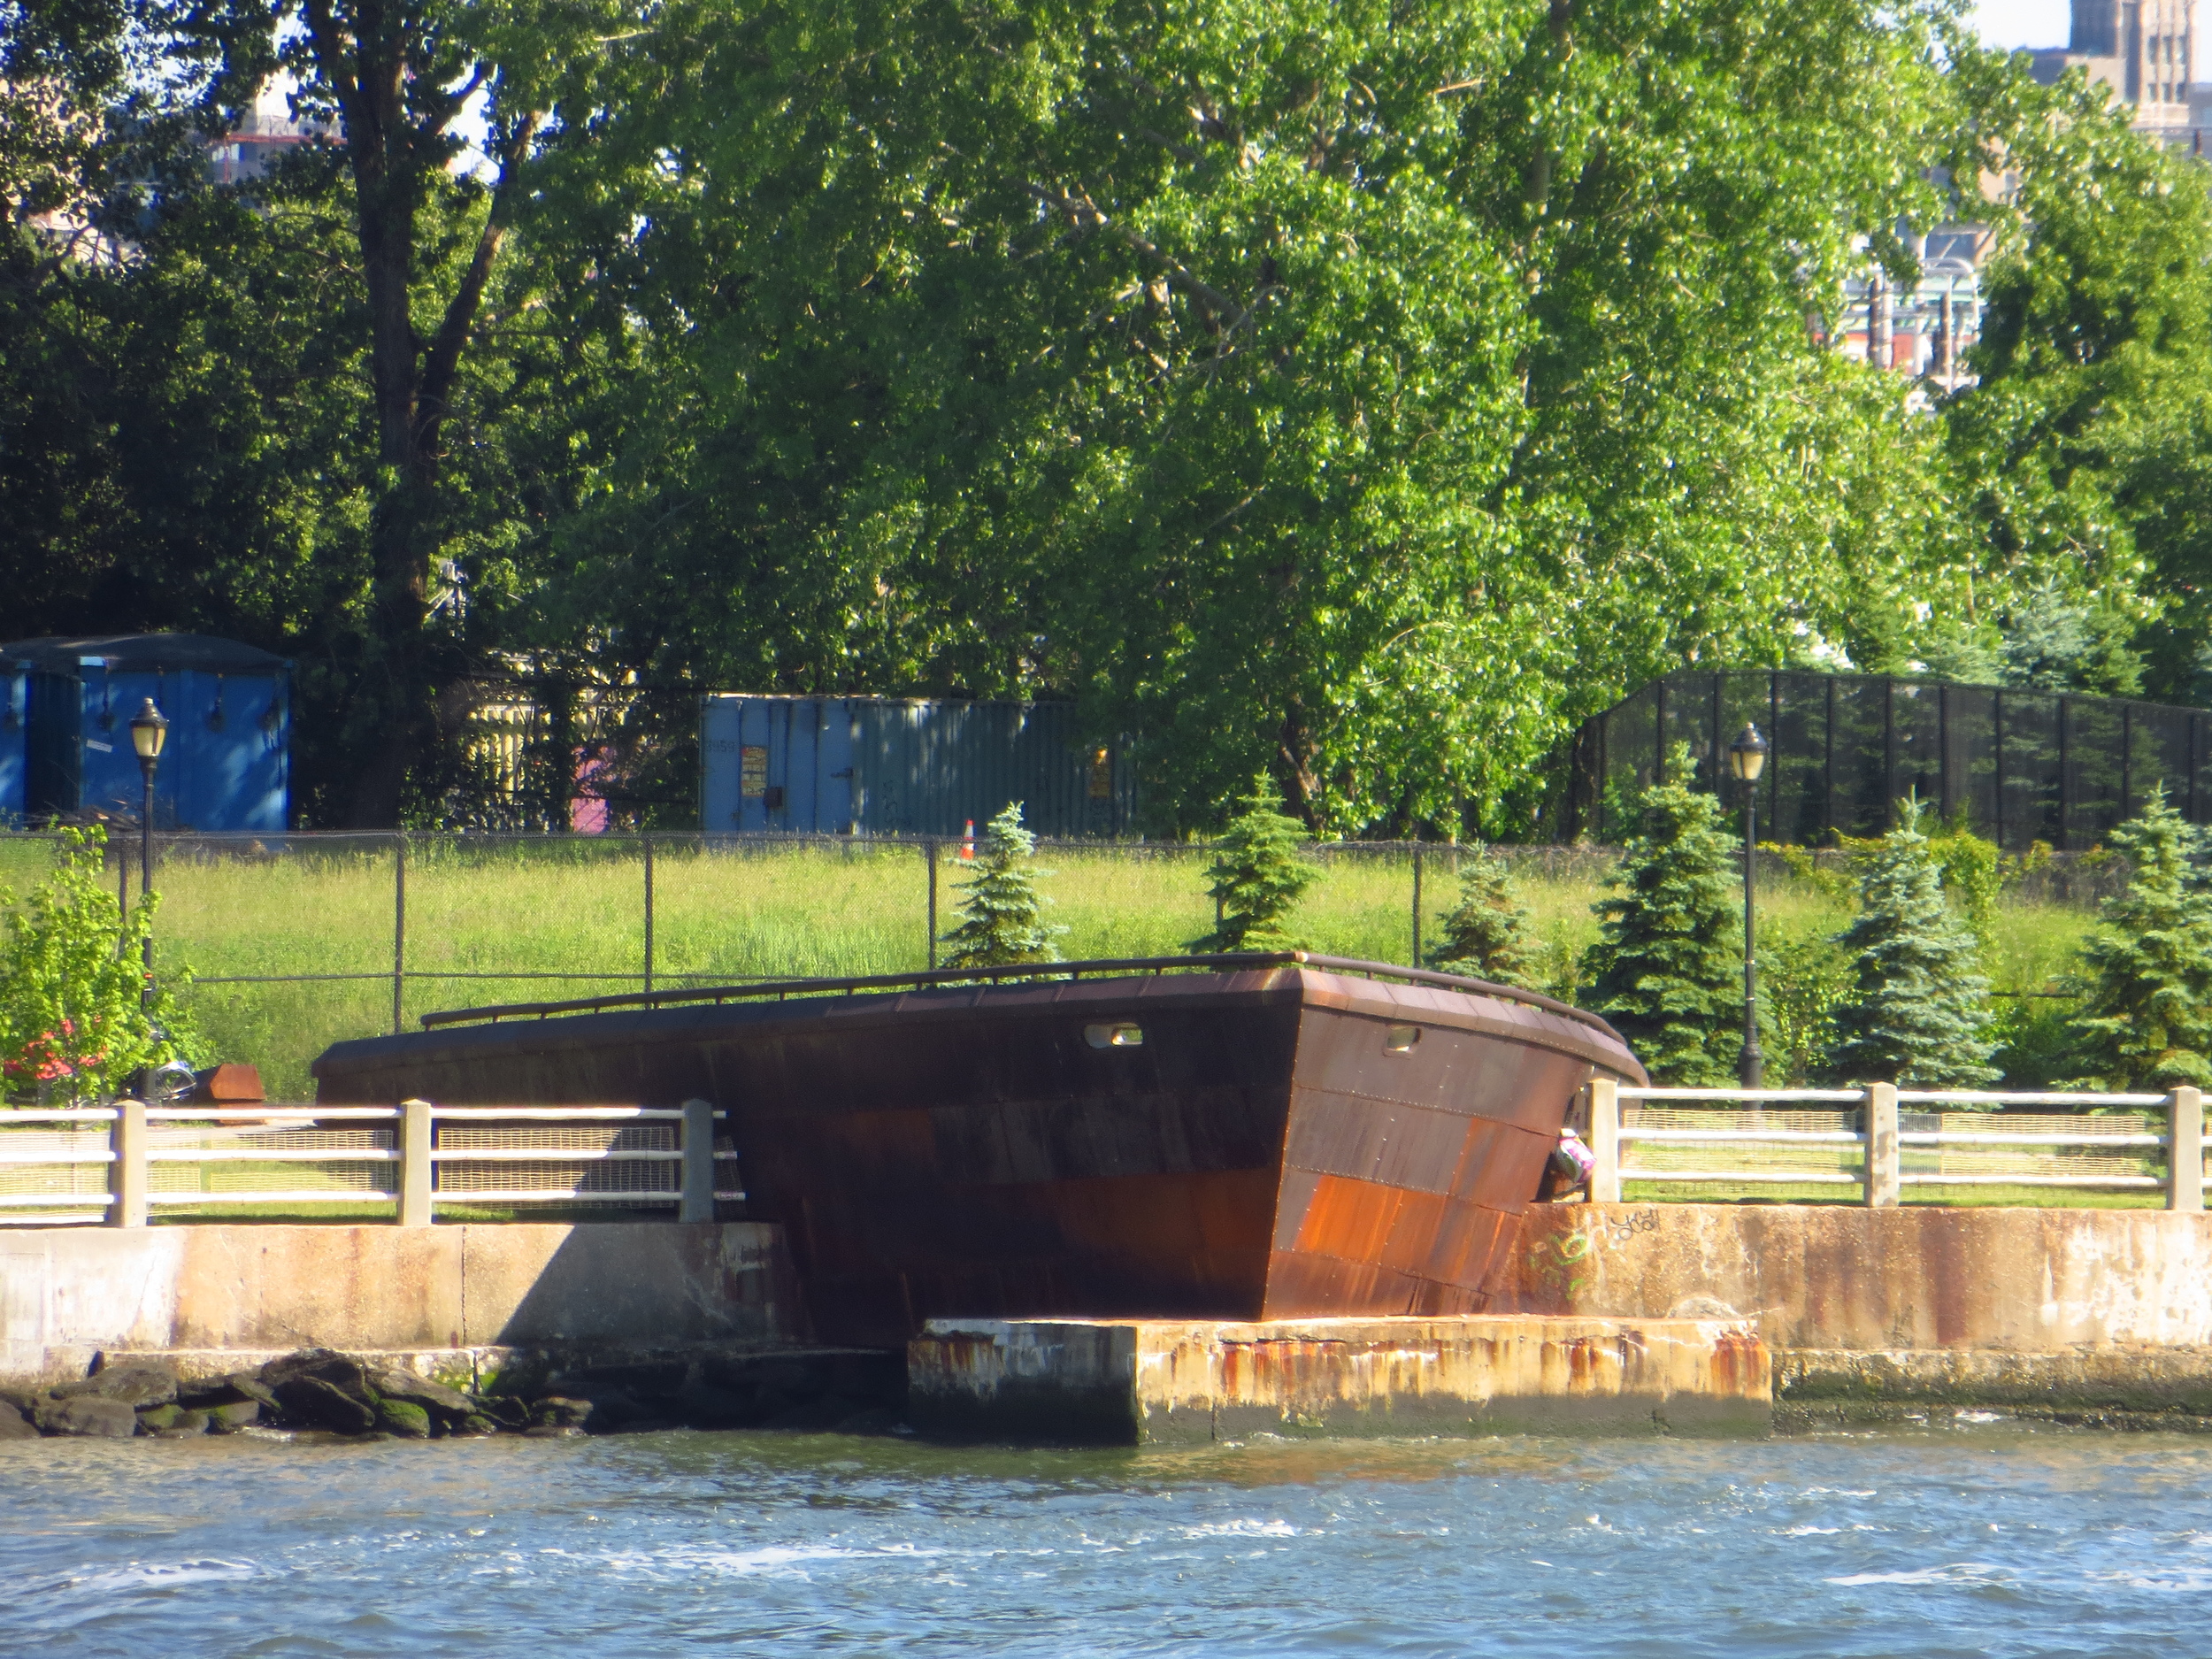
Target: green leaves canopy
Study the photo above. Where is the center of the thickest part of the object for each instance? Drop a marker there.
(1362, 392)
(1359, 392)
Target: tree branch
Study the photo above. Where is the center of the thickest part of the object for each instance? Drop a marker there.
(443, 362)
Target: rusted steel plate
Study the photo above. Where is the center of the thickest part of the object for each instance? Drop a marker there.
(1275, 1144)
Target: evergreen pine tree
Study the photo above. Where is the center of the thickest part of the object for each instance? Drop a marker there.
(1918, 1009)
(1668, 967)
(1257, 876)
(1485, 934)
(2145, 1015)
(1003, 914)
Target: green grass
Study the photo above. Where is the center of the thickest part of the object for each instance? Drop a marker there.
(1965, 1197)
(575, 906)
(447, 1213)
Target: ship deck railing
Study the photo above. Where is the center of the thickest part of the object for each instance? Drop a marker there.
(1882, 1145)
(127, 1163)
(946, 979)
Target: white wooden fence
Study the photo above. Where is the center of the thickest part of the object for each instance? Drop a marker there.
(2111, 1142)
(121, 1164)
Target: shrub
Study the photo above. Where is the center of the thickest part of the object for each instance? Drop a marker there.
(1973, 874)
(1919, 1011)
(2036, 1048)
(1003, 914)
(1667, 970)
(1257, 876)
(1801, 983)
(74, 1021)
(1485, 934)
(2145, 1020)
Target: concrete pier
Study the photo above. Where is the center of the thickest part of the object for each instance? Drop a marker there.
(1131, 1382)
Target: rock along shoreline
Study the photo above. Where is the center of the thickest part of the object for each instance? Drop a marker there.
(322, 1391)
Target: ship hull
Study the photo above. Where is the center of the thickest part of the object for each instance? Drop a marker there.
(1276, 1143)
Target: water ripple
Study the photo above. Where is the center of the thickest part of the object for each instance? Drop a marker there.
(2007, 1543)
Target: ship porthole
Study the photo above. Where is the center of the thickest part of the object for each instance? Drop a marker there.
(1401, 1039)
(1114, 1036)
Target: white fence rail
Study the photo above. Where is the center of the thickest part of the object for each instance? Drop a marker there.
(1831, 1138)
(121, 1164)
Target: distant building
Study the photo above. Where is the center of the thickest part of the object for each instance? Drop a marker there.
(2145, 51)
(268, 131)
(1922, 329)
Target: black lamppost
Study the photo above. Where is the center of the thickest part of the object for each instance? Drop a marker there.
(149, 730)
(1748, 758)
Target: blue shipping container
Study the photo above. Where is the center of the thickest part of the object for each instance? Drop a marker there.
(226, 764)
(895, 766)
(15, 720)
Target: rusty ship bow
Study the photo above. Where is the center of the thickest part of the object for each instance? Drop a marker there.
(1250, 1138)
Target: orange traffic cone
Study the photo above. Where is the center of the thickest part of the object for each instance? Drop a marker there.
(967, 842)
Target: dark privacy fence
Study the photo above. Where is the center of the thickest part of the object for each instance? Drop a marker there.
(2022, 766)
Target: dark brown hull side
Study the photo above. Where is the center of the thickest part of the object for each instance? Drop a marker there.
(1263, 1153)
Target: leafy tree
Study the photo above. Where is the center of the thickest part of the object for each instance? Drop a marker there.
(1003, 916)
(73, 1017)
(1668, 967)
(1485, 934)
(419, 298)
(1362, 392)
(2145, 1019)
(2083, 451)
(1918, 1008)
(1244, 369)
(1257, 874)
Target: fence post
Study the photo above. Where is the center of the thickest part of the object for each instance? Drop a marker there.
(2184, 1149)
(1605, 1141)
(414, 1164)
(1415, 959)
(697, 1203)
(1881, 1146)
(399, 933)
(649, 912)
(929, 857)
(126, 1176)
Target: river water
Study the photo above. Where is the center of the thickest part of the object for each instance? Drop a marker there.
(1989, 1540)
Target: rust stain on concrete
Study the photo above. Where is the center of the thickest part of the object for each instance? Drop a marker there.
(1143, 1379)
(1840, 1277)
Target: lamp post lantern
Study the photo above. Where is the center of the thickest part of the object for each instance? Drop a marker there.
(149, 730)
(1748, 758)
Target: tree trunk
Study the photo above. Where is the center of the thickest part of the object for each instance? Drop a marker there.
(402, 668)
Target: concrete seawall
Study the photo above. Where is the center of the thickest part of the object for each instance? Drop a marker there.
(230, 1292)
(2085, 1315)
(1872, 1313)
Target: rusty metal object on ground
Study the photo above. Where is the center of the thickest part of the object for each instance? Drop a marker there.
(1267, 1140)
(228, 1084)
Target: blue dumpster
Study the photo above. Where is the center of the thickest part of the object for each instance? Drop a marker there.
(226, 764)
